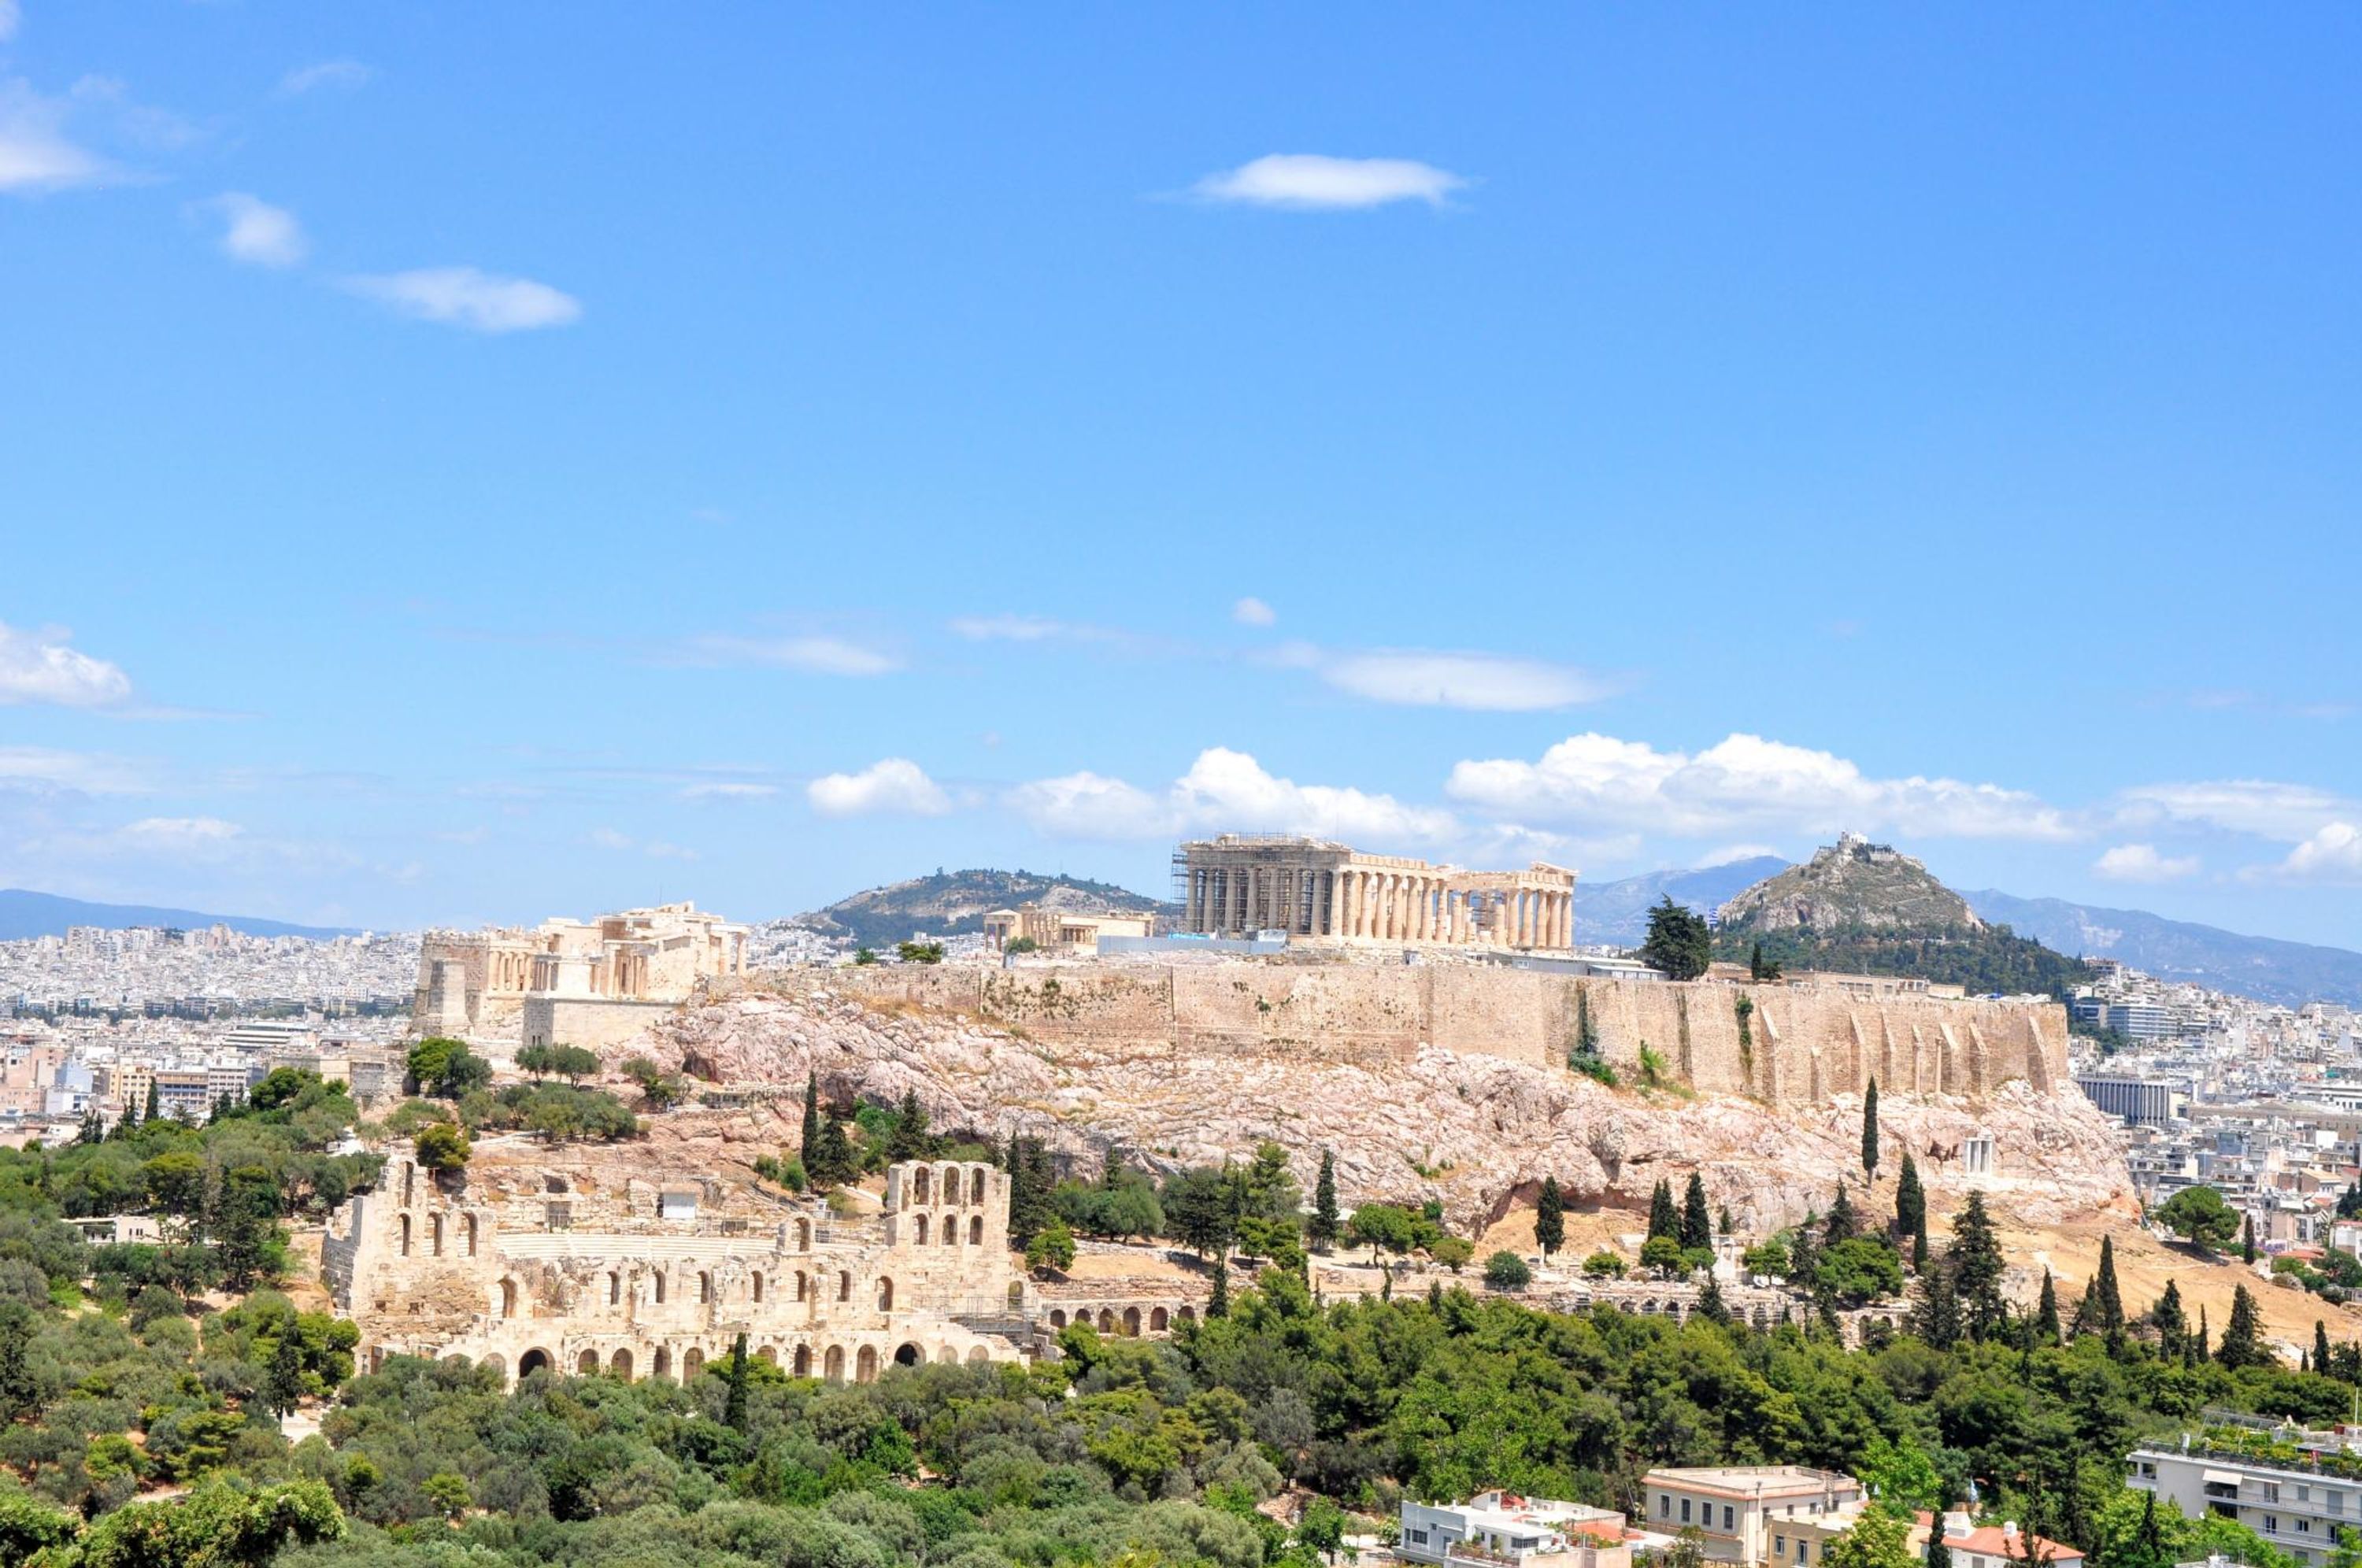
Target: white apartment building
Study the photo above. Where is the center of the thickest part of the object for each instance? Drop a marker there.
(1755, 1514)
(2298, 1509)
(1498, 1527)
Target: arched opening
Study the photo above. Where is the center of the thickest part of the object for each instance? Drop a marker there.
(660, 1363)
(1187, 1314)
(885, 1295)
(1132, 1322)
(1016, 1294)
(1158, 1320)
(951, 1184)
(950, 1229)
(405, 1235)
(758, 1285)
(586, 1362)
(614, 1289)
(692, 1362)
(919, 1189)
(1107, 1320)
(658, 1289)
(1057, 1316)
(831, 1365)
(946, 1356)
(803, 1360)
(434, 1236)
(621, 1364)
(704, 1286)
(976, 1231)
(844, 1285)
(769, 1354)
(910, 1355)
(533, 1360)
(467, 1235)
(803, 1235)
(508, 1298)
(977, 1355)
(495, 1364)
(920, 1229)
(801, 1284)
(864, 1369)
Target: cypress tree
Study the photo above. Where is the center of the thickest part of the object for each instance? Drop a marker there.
(2243, 1343)
(1723, 1224)
(1910, 1210)
(1937, 1317)
(155, 1102)
(1697, 1223)
(2246, 1242)
(1870, 1132)
(2197, 1351)
(1842, 1226)
(2111, 1302)
(910, 1140)
(2172, 1323)
(1976, 1266)
(811, 1143)
(1218, 1305)
(1710, 1302)
(1325, 1220)
(1663, 1220)
(1938, 1555)
(733, 1408)
(2046, 1315)
(1549, 1218)
(2321, 1353)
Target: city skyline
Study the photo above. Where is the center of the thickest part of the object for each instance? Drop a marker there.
(468, 469)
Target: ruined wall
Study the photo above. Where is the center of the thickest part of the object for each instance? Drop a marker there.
(1782, 1044)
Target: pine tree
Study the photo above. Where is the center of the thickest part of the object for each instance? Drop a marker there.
(1842, 1225)
(283, 1382)
(1697, 1223)
(2045, 1314)
(1326, 1221)
(1549, 1218)
(1937, 1316)
(1975, 1262)
(1664, 1219)
(734, 1406)
(2243, 1343)
(1709, 1301)
(810, 1145)
(1870, 1132)
(2172, 1324)
(93, 1128)
(1218, 1305)
(910, 1140)
(1910, 1210)
(1723, 1225)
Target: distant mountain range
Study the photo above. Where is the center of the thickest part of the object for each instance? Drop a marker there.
(1617, 914)
(25, 915)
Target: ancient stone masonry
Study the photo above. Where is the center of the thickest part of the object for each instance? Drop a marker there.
(1240, 883)
(1789, 1046)
(588, 983)
(548, 1269)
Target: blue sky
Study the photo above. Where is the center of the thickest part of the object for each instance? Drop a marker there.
(473, 462)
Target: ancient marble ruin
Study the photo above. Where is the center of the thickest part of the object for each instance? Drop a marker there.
(1242, 883)
(588, 983)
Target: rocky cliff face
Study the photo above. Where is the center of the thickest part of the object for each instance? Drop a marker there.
(1474, 1131)
(1851, 883)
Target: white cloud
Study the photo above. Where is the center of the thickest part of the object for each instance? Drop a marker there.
(42, 769)
(1254, 612)
(1311, 183)
(1744, 784)
(463, 297)
(2285, 812)
(893, 784)
(2142, 863)
(1008, 628)
(38, 666)
(816, 654)
(344, 73)
(34, 153)
(258, 233)
(729, 791)
(1732, 853)
(608, 838)
(1223, 790)
(2333, 853)
(1481, 682)
(177, 835)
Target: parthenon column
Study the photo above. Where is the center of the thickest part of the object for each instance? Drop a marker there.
(1425, 911)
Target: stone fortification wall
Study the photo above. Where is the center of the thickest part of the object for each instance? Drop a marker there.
(1782, 1044)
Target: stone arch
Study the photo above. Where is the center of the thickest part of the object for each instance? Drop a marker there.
(508, 1298)
(946, 1356)
(1187, 1314)
(919, 1192)
(494, 1363)
(769, 1354)
(832, 1364)
(1107, 1320)
(865, 1365)
(533, 1360)
(758, 1285)
(803, 1360)
(803, 1283)
(1158, 1319)
(1132, 1322)
(919, 1232)
(951, 1184)
(692, 1362)
(434, 1236)
(467, 1235)
(885, 1294)
(586, 1364)
(976, 1231)
(950, 1229)
(405, 1235)
(978, 1183)
(705, 1286)
(1057, 1316)
(907, 1354)
(621, 1364)
(660, 1363)
(977, 1355)
(843, 1285)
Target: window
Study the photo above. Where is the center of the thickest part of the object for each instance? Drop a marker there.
(1686, 1510)
(1727, 1516)
(1664, 1505)
(2271, 1524)
(1802, 1548)
(1779, 1546)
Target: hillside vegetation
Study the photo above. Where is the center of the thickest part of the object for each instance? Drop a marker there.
(954, 903)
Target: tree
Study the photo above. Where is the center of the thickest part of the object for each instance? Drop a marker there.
(1662, 1254)
(2243, 1343)
(1218, 1302)
(1586, 1032)
(444, 1068)
(1878, 1539)
(1604, 1266)
(1697, 1224)
(1053, 1247)
(1549, 1218)
(284, 1383)
(909, 1139)
(1678, 941)
(1937, 1317)
(1759, 968)
(155, 1102)
(810, 1140)
(2199, 1216)
(1664, 1219)
(1197, 1212)
(1376, 1225)
(1710, 1302)
(1910, 1210)
(919, 952)
(2107, 1300)
(2322, 1362)
(1842, 1225)
(1506, 1271)
(443, 1147)
(216, 1525)
(2046, 1313)
(1859, 1270)
(2172, 1325)
(1769, 1259)
(733, 1404)
(2247, 1240)
(1975, 1260)
(18, 1392)
(1324, 1218)
(1870, 1132)
(1453, 1251)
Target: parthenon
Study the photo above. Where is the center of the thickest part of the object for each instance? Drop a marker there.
(1240, 883)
